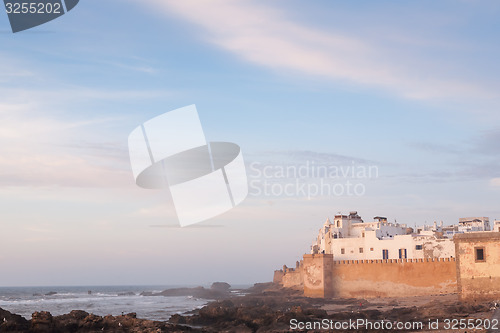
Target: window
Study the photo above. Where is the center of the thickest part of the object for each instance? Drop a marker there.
(385, 254)
(360, 250)
(480, 254)
(342, 251)
(418, 247)
(371, 249)
(402, 254)
(363, 234)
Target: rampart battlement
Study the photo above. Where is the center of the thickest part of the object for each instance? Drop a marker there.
(391, 261)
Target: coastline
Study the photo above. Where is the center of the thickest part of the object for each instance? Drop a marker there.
(263, 308)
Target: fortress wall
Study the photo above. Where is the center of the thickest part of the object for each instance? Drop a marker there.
(393, 278)
(478, 278)
(293, 279)
(278, 276)
(320, 276)
(317, 271)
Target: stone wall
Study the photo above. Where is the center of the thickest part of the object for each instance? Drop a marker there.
(320, 276)
(478, 278)
(317, 272)
(290, 277)
(394, 278)
(293, 279)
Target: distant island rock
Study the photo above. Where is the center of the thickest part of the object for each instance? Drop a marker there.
(128, 293)
(221, 286)
(50, 293)
(217, 290)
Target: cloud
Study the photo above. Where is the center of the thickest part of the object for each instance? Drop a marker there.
(11, 69)
(304, 156)
(488, 143)
(59, 170)
(495, 182)
(45, 141)
(162, 210)
(36, 150)
(263, 35)
(436, 148)
(194, 226)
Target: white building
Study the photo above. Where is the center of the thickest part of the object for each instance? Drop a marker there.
(468, 224)
(350, 238)
(496, 226)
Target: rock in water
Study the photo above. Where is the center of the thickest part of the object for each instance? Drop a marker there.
(220, 286)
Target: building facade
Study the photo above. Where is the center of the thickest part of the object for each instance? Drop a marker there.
(348, 237)
(478, 265)
(496, 226)
(469, 224)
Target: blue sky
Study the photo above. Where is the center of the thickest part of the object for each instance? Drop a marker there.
(410, 87)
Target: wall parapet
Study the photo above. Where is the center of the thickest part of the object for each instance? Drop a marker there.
(390, 261)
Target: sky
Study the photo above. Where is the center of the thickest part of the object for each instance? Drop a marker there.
(399, 99)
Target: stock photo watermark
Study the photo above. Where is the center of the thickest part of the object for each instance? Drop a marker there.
(27, 14)
(310, 179)
(204, 178)
(387, 325)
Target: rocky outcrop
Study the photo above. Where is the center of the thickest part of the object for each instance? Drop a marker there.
(10, 322)
(128, 293)
(267, 308)
(218, 290)
(221, 286)
(271, 309)
(81, 321)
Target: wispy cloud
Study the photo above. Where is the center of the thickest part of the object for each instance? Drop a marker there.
(45, 142)
(495, 182)
(11, 69)
(304, 156)
(263, 35)
(436, 148)
(36, 151)
(488, 142)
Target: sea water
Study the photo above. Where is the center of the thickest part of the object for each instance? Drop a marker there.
(102, 300)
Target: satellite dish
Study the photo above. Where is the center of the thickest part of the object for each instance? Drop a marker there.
(27, 14)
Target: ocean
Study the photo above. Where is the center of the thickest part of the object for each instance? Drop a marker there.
(102, 300)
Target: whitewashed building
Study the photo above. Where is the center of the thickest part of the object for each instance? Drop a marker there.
(496, 226)
(348, 237)
(468, 224)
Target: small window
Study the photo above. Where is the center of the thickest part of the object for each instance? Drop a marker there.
(480, 255)
(371, 249)
(363, 234)
(385, 254)
(402, 254)
(418, 247)
(342, 251)
(360, 250)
